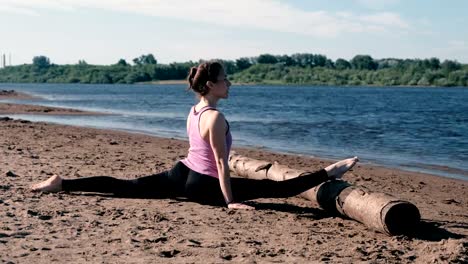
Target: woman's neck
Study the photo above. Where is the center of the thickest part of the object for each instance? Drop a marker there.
(207, 101)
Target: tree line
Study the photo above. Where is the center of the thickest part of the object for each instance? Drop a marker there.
(301, 68)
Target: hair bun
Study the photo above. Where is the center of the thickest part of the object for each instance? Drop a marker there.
(193, 72)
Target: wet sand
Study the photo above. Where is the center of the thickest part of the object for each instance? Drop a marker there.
(63, 227)
(12, 94)
(12, 108)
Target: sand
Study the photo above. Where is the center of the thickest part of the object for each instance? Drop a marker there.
(78, 228)
(12, 94)
(8, 108)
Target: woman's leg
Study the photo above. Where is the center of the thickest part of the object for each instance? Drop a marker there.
(156, 185)
(206, 189)
(152, 185)
(203, 189)
(163, 184)
(247, 189)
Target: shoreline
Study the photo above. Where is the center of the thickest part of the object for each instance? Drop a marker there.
(14, 109)
(242, 149)
(12, 94)
(7, 108)
(22, 109)
(257, 152)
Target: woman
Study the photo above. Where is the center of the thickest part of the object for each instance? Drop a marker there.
(204, 175)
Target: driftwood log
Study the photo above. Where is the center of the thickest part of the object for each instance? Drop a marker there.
(378, 211)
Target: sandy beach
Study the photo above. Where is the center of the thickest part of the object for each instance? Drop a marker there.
(92, 228)
(7, 108)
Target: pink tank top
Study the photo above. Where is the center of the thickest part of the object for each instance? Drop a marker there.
(200, 157)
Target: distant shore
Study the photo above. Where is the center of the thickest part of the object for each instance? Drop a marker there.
(298, 69)
(271, 83)
(184, 82)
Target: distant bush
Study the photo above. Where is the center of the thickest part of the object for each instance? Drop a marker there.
(299, 68)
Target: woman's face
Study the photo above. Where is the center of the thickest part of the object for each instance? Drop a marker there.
(220, 89)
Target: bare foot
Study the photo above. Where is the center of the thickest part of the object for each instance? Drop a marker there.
(53, 184)
(336, 170)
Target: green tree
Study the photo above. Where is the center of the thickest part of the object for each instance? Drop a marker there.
(149, 59)
(229, 66)
(41, 62)
(145, 60)
(449, 65)
(285, 60)
(122, 62)
(267, 59)
(432, 63)
(319, 60)
(243, 63)
(363, 62)
(303, 59)
(342, 64)
(329, 64)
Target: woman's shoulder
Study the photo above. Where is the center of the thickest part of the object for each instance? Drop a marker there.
(214, 114)
(212, 120)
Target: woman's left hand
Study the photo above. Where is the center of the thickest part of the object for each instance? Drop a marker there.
(240, 206)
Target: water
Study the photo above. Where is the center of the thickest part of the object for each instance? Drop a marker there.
(419, 129)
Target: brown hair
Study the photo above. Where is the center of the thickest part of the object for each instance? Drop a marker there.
(199, 76)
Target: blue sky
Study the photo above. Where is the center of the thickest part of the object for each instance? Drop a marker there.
(103, 31)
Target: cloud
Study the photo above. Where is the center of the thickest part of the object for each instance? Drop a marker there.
(35, 6)
(271, 15)
(452, 50)
(457, 45)
(17, 10)
(377, 4)
(386, 19)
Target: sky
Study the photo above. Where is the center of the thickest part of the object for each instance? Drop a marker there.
(104, 31)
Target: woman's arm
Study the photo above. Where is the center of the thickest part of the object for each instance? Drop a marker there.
(217, 138)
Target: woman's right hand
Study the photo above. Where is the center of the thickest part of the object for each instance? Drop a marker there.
(240, 206)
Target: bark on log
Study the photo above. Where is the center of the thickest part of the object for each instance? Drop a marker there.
(379, 211)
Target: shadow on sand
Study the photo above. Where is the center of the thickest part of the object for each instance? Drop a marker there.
(432, 231)
(306, 212)
(427, 230)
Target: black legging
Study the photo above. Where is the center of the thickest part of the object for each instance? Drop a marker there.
(181, 181)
